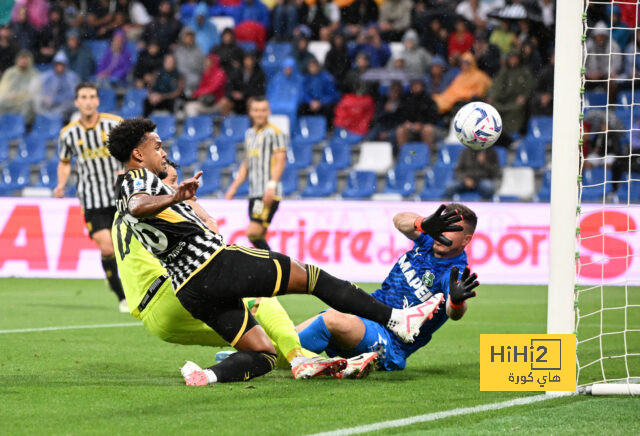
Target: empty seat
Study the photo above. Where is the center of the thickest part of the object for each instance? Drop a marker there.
(299, 155)
(414, 155)
(98, 48)
(596, 184)
(133, 104)
(517, 183)
(360, 184)
(344, 136)
(502, 156)
(319, 49)
(198, 128)
(531, 153)
(274, 54)
(184, 151)
(435, 181)
(337, 156)
(311, 129)
(46, 126)
(234, 128)
(4, 150)
(376, 157)
(107, 98)
(31, 150)
(223, 22)
(165, 126)
(210, 181)
(321, 182)
(14, 176)
(544, 194)
(289, 180)
(48, 174)
(629, 97)
(449, 153)
(11, 126)
(541, 128)
(400, 180)
(222, 154)
(248, 46)
(595, 98)
(629, 192)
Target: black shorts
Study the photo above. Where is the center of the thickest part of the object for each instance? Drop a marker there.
(261, 214)
(99, 219)
(214, 294)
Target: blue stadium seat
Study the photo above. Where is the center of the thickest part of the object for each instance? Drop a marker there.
(337, 156)
(222, 154)
(414, 155)
(107, 99)
(31, 150)
(48, 175)
(312, 129)
(46, 127)
(98, 48)
(629, 192)
(12, 126)
(400, 180)
(541, 128)
(448, 154)
(4, 150)
(299, 155)
(502, 156)
(360, 184)
(322, 182)
(248, 46)
(133, 51)
(184, 151)
(273, 56)
(629, 97)
(595, 98)
(531, 153)
(211, 180)
(166, 126)
(467, 196)
(289, 181)
(234, 128)
(596, 176)
(435, 181)
(343, 136)
(198, 128)
(133, 104)
(14, 176)
(544, 194)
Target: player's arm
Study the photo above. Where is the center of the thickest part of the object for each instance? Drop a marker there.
(279, 162)
(64, 171)
(143, 205)
(404, 222)
(460, 291)
(242, 175)
(204, 216)
(412, 225)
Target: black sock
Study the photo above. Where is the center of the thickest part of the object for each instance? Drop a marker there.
(260, 243)
(111, 271)
(243, 366)
(345, 296)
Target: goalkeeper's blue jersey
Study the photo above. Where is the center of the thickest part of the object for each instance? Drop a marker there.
(414, 278)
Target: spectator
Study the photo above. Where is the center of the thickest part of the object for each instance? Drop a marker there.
(354, 112)
(438, 77)
(394, 18)
(337, 62)
(164, 28)
(59, 93)
(548, 12)
(206, 32)
(301, 53)
(253, 10)
(460, 41)
(284, 91)
(150, 60)
(358, 15)
(510, 93)
(487, 54)
(322, 17)
(116, 61)
(132, 17)
(420, 114)
(285, 19)
(8, 49)
(369, 42)
(228, 51)
(542, 101)
(245, 82)
(23, 32)
(476, 171)
(503, 37)
(474, 11)
(620, 31)
(100, 20)
(387, 115)
(190, 60)
(471, 83)
(79, 56)
(52, 36)
(604, 143)
(353, 80)
(436, 39)
(210, 94)
(73, 16)
(530, 57)
(19, 87)
(37, 12)
(633, 60)
(319, 94)
(166, 88)
(597, 67)
(416, 59)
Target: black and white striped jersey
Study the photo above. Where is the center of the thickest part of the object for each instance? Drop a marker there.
(176, 236)
(95, 166)
(260, 144)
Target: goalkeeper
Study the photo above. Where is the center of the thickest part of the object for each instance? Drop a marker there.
(432, 266)
(151, 299)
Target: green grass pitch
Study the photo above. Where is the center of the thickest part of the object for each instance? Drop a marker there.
(122, 380)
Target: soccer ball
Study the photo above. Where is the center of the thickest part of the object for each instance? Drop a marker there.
(478, 125)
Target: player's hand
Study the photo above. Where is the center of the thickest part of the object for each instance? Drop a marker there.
(58, 191)
(187, 188)
(459, 291)
(230, 192)
(434, 225)
(268, 197)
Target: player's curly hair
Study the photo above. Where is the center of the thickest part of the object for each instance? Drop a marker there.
(469, 217)
(127, 135)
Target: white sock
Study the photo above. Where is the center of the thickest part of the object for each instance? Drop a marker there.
(211, 376)
(395, 319)
(298, 360)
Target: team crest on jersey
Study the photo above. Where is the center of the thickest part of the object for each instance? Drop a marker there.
(427, 279)
(138, 185)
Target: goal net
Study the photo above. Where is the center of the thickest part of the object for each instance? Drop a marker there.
(607, 289)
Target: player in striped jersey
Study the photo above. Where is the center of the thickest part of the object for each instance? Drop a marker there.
(85, 139)
(210, 278)
(264, 162)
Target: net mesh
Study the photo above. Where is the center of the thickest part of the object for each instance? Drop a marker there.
(607, 294)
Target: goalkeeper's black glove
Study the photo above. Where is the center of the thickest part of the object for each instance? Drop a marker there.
(437, 223)
(461, 290)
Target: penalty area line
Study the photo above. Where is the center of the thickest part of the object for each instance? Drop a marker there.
(435, 416)
(70, 327)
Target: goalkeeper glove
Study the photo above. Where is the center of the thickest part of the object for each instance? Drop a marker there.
(437, 223)
(461, 290)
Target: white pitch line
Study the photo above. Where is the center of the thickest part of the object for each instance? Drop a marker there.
(71, 327)
(435, 416)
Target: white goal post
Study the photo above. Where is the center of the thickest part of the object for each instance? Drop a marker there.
(565, 291)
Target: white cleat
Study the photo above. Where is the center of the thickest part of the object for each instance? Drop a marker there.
(313, 367)
(188, 368)
(123, 307)
(412, 318)
(359, 366)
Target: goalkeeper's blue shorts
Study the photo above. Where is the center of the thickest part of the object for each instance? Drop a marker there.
(377, 339)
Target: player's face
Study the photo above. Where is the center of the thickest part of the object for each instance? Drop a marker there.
(151, 155)
(259, 113)
(172, 177)
(459, 242)
(87, 101)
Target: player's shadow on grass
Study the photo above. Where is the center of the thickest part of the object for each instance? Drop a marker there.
(464, 371)
(72, 306)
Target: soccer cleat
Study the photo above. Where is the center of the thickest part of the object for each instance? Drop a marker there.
(316, 366)
(123, 307)
(412, 318)
(359, 366)
(196, 378)
(188, 368)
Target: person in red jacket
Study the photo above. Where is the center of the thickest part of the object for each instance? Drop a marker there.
(460, 41)
(210, 94)
(354, 112)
